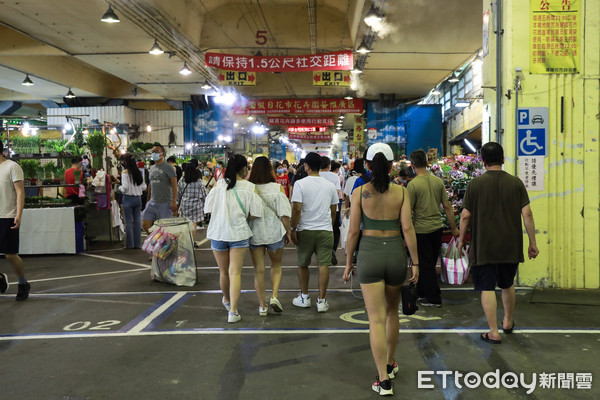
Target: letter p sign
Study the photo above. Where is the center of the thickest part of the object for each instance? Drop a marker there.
(523, 117)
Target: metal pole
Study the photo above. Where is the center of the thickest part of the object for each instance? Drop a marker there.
(517, 85)
(499, 33)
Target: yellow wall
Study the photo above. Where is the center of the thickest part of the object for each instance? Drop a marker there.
(567, 212)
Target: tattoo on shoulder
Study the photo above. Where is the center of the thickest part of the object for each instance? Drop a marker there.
(366, 194)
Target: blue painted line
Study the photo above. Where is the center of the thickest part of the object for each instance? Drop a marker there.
(146, 313)
(158, 320)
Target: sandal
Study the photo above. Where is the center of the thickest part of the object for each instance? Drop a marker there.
(509, 330)
(486, 338)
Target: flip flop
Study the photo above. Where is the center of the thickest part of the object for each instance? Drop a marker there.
(485, 337)
(509, 330)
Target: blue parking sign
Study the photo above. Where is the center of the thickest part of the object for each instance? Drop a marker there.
(532, 142)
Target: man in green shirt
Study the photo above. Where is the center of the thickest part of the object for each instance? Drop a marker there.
(493, 206)
(427, 192)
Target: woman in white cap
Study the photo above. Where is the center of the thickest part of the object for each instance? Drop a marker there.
(382, 265)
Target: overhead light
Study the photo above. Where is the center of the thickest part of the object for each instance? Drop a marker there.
(348, 98)
(226, 99)
(453, 79)
(156, 49)
(110, 16)
(148, 127)
(185, 70)
(462, 104)
(363, 49)
(435, 92)
(250, 118)
(235, 124)
(372, 18)
(68, 126)
(470, 145)
(342, 116)
(258, 129)
(206, 85)
(70, 94)
(27, 81)
(356, 69)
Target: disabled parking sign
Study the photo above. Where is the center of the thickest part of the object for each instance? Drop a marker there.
(532, 131)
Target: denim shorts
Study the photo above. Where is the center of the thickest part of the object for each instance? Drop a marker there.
(220, 245)
(273, 247)
(154, 211)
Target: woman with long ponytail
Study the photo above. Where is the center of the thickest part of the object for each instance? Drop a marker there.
(382, 265)
(132, 187)
(231, 203)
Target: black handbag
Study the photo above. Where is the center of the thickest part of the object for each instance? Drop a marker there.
(409, 299)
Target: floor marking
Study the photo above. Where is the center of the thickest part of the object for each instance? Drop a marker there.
(283, 266)
(116, 260)
(58, 278)
(105, 250)
(146, 321)
(200, 243)
(255, 331)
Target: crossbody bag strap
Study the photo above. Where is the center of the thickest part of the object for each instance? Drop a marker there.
(239, 201)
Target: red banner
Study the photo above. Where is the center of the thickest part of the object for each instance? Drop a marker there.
(300, 106)
(305, 129)
(309, 137)
(314, 121)
(336, 61)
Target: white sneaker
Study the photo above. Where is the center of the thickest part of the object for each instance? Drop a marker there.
(322, 305)
(301, 301)
(276, 305)
(263, 311)
(226, 304)
(233, 317)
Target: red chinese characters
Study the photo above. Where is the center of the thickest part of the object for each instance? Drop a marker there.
(336, 61)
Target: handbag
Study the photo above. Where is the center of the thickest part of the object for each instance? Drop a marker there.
(409, 299)
(455, 269)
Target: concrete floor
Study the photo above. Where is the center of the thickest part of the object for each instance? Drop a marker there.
(96, 327)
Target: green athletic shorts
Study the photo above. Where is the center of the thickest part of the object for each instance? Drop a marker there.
(319, 242)
(382, 258)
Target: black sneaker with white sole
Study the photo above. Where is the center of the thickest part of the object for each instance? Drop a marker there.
(384, 388)
(23, 291)
(392, 370)
(4, 285)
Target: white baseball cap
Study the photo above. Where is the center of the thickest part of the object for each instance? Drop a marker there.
(380, 148)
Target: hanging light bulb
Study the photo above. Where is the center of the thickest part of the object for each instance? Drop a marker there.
(372, 19)
(206, 85)
(110, 16)
(363, 49)
(156, 49)
(27, 81)
(148, 127)
(185, 70)
(70, 94)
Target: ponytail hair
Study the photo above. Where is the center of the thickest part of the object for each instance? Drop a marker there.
(380, 167)
(235, 164)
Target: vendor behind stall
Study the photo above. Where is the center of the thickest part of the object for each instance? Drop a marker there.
(73, 175)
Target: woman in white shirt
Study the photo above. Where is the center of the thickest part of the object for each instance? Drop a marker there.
(272, 231)
(132, 186)
(231, 202)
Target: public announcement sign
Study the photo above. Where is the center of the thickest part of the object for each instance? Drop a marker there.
(332, 78)
(299, 106)
(237, 78)
(310, 137)
(336, 61)
(306, 129)
(531, 172)
(309, 121)
(554, 36)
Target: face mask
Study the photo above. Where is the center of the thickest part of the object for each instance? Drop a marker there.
(155, 157)
(206, 173)
(285, 170)
(218, 166)
(280, 171)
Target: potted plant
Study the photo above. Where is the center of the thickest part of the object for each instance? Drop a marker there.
(48, 171)
(29, 170)
(96, 143)
(59, 175)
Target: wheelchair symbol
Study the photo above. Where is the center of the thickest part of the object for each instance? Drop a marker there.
(530, 142)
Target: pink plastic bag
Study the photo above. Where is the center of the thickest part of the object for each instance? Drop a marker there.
(455, 269)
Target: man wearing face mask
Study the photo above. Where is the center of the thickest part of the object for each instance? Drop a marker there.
(162, 191)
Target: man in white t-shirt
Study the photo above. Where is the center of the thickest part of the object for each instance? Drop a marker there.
(12, 201)
(314, 205)
(335, 179)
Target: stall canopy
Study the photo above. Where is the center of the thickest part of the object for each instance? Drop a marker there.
(473, 134)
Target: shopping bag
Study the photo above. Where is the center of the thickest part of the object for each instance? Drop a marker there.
(151, 241)
(344, 232)
(179, 266)
(455, 269)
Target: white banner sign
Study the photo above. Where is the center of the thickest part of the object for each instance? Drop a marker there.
(531, 172)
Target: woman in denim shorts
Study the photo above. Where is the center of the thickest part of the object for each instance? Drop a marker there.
(232, 202)
(272, 232)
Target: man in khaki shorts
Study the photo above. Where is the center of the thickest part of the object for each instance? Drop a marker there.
(314, 206)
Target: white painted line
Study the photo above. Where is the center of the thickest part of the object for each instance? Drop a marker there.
(116, 260)
(200, 243)
(58, 278)
(146, 321)
(105, 250)
(250, 331)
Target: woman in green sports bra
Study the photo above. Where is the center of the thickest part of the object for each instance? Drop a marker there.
(382, 265)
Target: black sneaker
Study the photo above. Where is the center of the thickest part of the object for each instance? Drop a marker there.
(4, 285)
(384, 388)
(392, 370)
(333, 258)
(23, 291)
